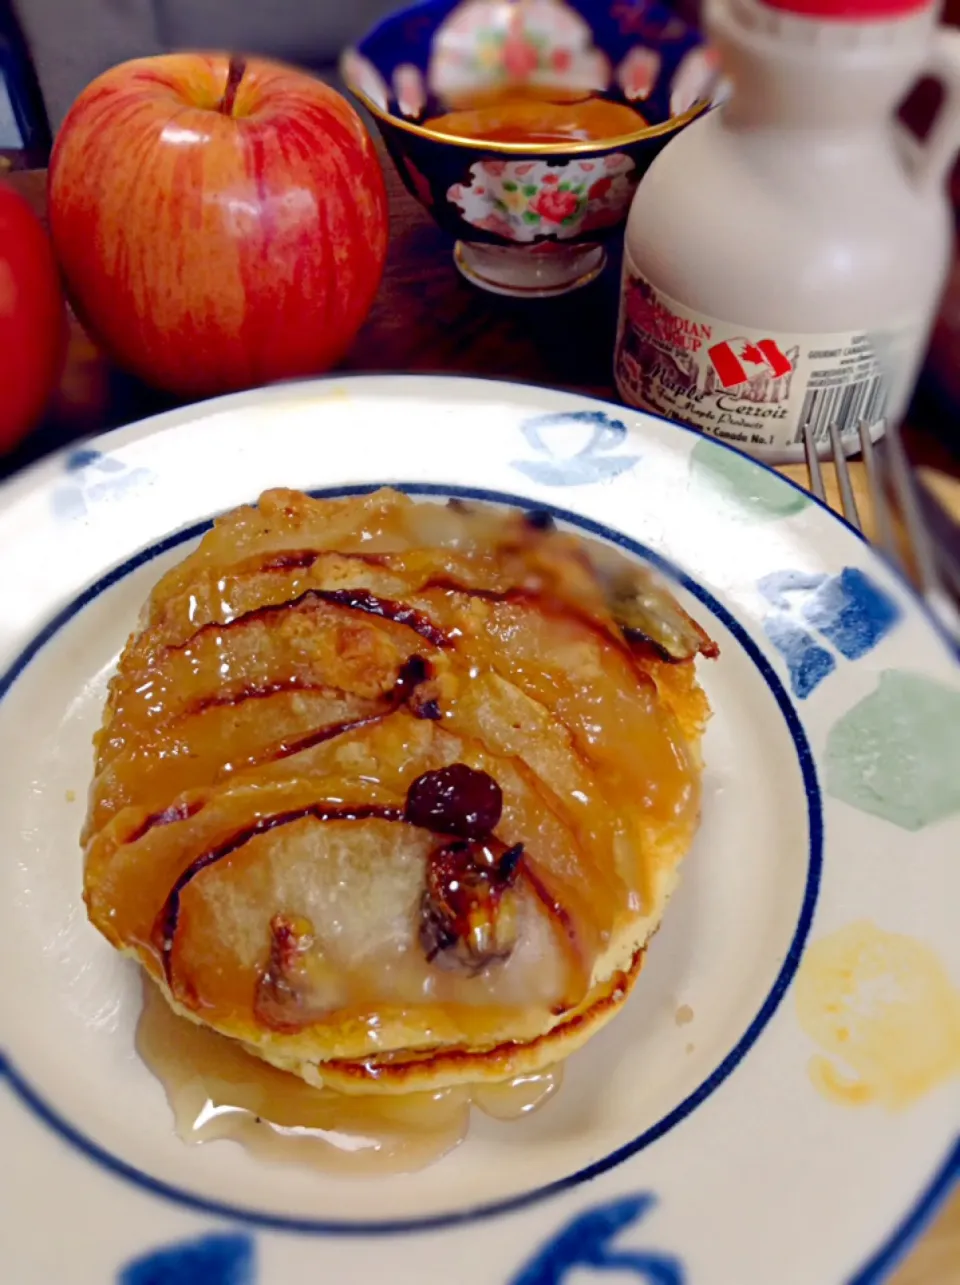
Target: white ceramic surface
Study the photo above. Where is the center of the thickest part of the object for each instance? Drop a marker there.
(717, 1133)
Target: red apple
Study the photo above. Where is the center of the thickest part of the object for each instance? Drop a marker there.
(32, 319)
(220, 223)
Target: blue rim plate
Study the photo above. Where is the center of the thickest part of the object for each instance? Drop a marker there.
(778, 1101)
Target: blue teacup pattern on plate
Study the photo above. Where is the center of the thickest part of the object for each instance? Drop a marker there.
(92, 476)
(576, 448)
(209, 1260)
(588, 1242)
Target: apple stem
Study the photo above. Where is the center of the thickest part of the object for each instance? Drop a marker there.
(238, 65)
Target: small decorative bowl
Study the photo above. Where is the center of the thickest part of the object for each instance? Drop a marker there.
(530, 218)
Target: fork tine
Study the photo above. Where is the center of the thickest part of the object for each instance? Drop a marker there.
(814, 471)
(931, 586)
(940, 525)
(908, 502)
(847, 499)
(878, 496)
(917, 533)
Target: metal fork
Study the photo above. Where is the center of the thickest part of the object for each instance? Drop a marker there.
(892, 467)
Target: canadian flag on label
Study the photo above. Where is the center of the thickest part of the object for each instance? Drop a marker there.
(760, 393)
(736, 361)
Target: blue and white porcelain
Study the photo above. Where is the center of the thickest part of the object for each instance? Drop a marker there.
(779, 1101)
(530, 219)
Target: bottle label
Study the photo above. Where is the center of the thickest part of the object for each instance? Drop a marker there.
(756, 388)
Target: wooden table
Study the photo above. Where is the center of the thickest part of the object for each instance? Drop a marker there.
(427, 319)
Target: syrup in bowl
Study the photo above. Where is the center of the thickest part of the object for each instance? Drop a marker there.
(537, 116)
(217, 1090)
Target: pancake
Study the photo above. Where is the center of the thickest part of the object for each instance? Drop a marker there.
(396, 793)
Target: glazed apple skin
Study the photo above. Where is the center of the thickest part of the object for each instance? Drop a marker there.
(216, 237)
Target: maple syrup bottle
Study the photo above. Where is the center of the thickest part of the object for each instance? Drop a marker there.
(786, 252)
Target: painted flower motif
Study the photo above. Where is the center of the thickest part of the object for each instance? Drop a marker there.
(484, 44)
(410, 90)
(637, 74)
(497, 225)
(524, 200)
(521, 55)
(488, 56)
(361, 75)
(695, 79)
(514, 200)
(556, 204)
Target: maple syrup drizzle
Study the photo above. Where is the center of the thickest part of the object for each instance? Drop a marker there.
(415, 670)
(630, 641)
(169, 816)
(216, 1090)
(352, 599)
(256, 692)
(537, 114)
(402, 613)
(456, 800)
(412, 673)
(303, 560)
(165, 927)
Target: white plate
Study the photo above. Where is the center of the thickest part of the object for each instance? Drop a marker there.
(778, 1102)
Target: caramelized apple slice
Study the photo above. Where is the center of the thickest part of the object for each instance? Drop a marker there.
(523, 561)
(272, 578)
(592, 686)
(304, 646)
(201, 749)
(283, 520)
(134, 863)
(135, 860)
(355, 889)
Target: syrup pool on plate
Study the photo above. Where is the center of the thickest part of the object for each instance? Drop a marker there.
(539, 116)
(217, 1090)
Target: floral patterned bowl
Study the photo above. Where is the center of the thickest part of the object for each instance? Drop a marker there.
(530, 218)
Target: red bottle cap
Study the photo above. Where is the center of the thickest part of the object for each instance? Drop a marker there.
(850, 10)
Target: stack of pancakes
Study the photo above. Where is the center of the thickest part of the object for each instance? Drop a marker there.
(395, 793)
